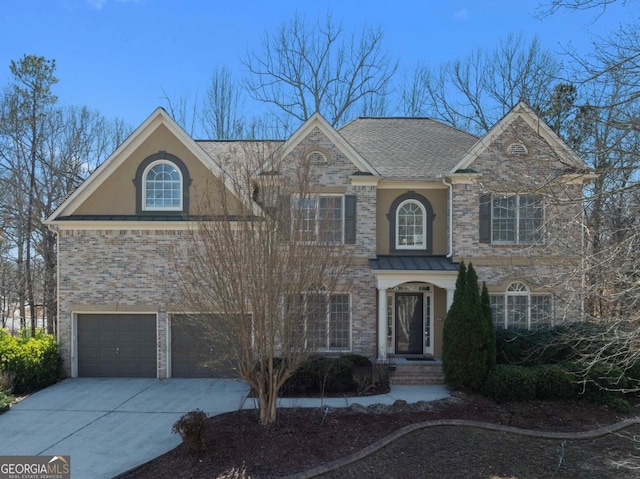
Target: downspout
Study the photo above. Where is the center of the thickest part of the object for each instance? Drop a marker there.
(450, 232)
(56, 229)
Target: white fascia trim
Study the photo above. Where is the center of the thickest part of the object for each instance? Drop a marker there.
(365, 180)
(387, 279)
(464, 178)
(124, 225)
(387, 184)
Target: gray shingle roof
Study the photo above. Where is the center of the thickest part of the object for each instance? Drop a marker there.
(406, 148)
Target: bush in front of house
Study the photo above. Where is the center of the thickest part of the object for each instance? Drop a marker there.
(556, 381)
(32, 363)
(6, 400)
(507, 383)
(468, 345)
(191, 428)
(601, 383)
(559, 344)
(319, 375)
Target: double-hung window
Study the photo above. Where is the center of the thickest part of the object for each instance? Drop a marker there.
(511, 219)
(319, 218)
(519, 308)
(328, 321)
(517, 219)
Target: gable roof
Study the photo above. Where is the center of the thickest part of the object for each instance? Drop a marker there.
(523, 111)
(143, 132)
(317, 121)
(407, 148)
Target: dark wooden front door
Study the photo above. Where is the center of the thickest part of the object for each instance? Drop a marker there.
(409, 323)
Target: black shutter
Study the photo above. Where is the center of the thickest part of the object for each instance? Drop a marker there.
(485, 219)
(283, 216)
(350, 219)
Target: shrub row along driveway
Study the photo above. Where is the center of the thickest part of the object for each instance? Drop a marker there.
(108, 426)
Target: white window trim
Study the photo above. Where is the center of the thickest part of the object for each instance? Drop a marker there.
(144, 187)
(527, 292)
(517, 220)
(422, 246)
(327, 343)
(316, 233)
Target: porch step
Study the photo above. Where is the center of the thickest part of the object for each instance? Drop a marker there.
(416, 373)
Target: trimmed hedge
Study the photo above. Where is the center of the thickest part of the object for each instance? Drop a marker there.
(32, 362)
(550, 346)
(566, 381)
(326, 375)
(507, 383)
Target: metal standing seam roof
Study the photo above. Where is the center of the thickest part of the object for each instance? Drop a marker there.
(406, 148)
(413, 263)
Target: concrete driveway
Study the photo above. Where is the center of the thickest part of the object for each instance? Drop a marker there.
(108, 425)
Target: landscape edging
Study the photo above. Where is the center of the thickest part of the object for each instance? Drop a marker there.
(385, 441)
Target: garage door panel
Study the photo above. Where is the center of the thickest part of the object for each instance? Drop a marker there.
(195, 352)
(117, 345)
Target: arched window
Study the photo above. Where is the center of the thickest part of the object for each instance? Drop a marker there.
(162, 187)
(517, 307)
(411, 219)
(410, 225)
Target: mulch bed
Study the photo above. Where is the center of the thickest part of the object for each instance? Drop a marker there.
(304, 438)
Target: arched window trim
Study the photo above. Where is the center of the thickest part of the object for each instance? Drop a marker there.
(538, 307)
(423, 212)
(518, 288)
(428, 225)
(144, 187)
(140, 186)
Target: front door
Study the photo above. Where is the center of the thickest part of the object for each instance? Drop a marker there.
(409, 323)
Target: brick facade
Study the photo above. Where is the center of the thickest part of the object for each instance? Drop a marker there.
(133, 268)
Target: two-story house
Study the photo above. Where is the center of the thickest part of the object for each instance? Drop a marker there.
(413, 195)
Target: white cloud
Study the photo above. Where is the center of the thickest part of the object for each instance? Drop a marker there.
(97, 4)
(462, 14)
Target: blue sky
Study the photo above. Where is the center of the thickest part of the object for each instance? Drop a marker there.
(118, 56)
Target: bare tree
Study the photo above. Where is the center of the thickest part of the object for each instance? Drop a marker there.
(602, 126)
(264, 260)
(553, 6)
(45, 152)
(27, 104)
(474, 93)
(222, 115)
(185, 110)
(306, 67)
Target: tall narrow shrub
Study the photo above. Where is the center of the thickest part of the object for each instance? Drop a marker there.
(465, 342)
(485, 303)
